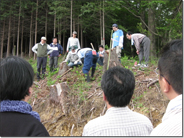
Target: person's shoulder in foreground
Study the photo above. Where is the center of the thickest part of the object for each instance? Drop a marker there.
(16, 115)
(19, 124)
(170, 67)
(118, 86)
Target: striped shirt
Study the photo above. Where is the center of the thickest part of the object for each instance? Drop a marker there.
(172, 120)
(119, 121)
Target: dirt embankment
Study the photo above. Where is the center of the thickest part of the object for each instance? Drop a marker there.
(86, 101)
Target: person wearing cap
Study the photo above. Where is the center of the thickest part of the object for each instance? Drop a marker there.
(73, 41)
(41, 50)
(89, 58)
(117, 40)
(53, 62)
(73, 58)
(101, 55)
(142, 44)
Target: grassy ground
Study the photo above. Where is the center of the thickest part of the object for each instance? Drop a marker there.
(86, 100)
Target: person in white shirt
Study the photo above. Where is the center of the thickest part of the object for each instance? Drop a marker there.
(170, 70)
(118, 87)
(73, 41)
(42, 49)
(101, 55)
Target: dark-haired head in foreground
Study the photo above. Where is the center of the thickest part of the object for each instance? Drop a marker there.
(16, 78)
(171, 69)
(118, 86)
(171, 83)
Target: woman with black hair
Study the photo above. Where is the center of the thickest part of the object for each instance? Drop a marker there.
(16, 115)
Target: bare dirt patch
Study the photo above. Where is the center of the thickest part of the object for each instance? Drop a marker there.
(86, 102)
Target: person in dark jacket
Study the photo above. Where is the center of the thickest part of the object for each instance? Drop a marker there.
(16, 115)
(53, 62)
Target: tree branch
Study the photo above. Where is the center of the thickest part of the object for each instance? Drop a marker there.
(142, 21)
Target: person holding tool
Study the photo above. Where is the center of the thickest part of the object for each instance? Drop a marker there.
(89, 58)
(117, 40)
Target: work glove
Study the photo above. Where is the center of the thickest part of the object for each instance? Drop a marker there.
(76, 62)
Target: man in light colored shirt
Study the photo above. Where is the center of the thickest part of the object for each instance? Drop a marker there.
(170, 70)
(41, 50)
(101, 55)
(89, 58)
(142, 45)
(117, 40)
(118, 87)
(73, 41)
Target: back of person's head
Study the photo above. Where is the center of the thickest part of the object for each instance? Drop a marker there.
(129, 33)
(118, 86)
(171, 64)
(16, 77)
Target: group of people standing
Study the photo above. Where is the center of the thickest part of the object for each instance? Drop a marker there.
(118, 85)
(88, 56)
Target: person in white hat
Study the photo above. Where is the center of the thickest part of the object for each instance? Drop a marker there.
(73, 41)
(41, 50)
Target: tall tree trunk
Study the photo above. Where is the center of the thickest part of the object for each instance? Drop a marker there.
(78, 29)
(59, 31)
(55, 24)
(64, 42)
(36, 25)
(22, 37)
(14, 46)
(71, 19)
(46, 20)
(8, 43)
(81, 37)
(30, 35)
(74, 25)
(151, 26)
(26, 46)
(103, 25)
(143, 18)
(101, 36)
(2, 39)
(18, 31)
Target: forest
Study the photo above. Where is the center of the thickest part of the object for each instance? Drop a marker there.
(24, 22)
(63, 98)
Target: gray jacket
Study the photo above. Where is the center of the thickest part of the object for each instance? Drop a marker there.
(137, 39)
(72, 57)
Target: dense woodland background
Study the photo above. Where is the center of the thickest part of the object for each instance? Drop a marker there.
(24, 22)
